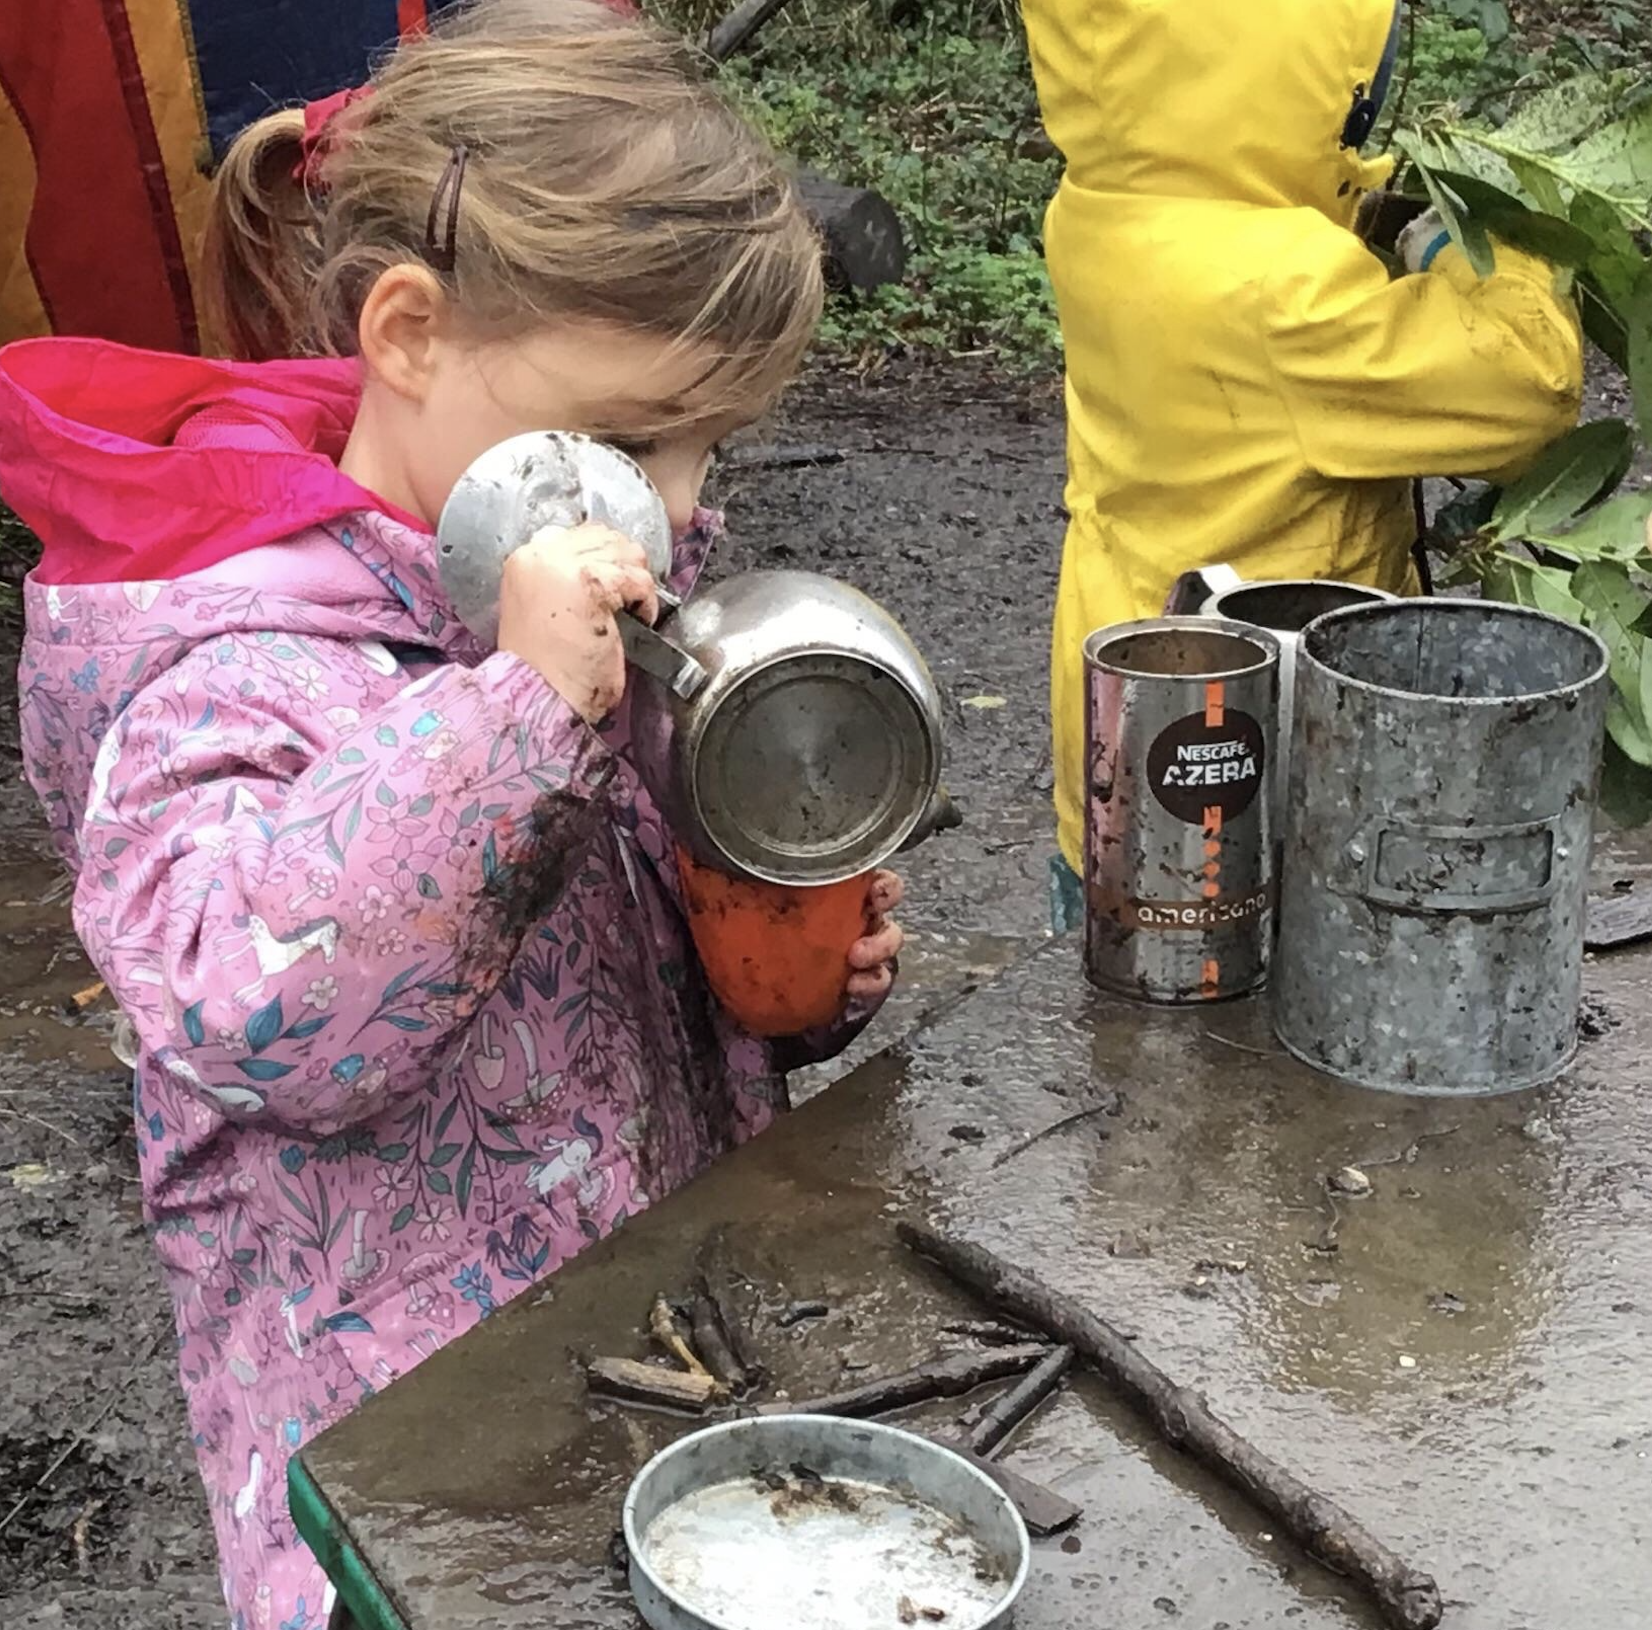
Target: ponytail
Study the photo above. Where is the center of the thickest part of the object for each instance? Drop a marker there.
(262, 249)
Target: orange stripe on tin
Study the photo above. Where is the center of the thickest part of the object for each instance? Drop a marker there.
(1216, 692)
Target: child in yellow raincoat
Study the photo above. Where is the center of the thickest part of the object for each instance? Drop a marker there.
(1245, 381)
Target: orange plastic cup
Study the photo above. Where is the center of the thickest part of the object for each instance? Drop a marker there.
(776, 956)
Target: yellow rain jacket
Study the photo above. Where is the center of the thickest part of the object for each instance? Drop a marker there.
(1245, 383)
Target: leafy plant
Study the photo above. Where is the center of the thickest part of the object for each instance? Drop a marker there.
(1567, 177)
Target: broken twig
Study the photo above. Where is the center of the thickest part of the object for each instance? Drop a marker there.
(717, 1282)
(1409, 1599)
(941, 1378)
(82, 1435)
(662, 1326)
(633, 1383)
(1050, 1131)
(1009, 1411)
(806, 457)
(738, 26)
(714, 1348)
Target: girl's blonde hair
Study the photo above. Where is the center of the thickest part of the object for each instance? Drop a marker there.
(602, 180)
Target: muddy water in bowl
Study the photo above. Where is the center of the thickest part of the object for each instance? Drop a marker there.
(820, 1524)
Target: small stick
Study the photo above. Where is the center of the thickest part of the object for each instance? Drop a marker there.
(988, 1332)
(635, 1383)
(941, 1378)
(37, 1120)
(780, 458)
(1050, 1131)
(82, 1435)
(716, 1281)
(1409, 1600)
(1010, 1410)
(83, 1523)
(662, 1326)
(1245, 1046)
(83, 999)
(797, 1312)
(738, 27)
(714, 1348)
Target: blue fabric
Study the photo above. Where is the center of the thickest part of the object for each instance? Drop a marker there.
(1066, 897)
(253, 56)
(1431, 253)
(1384, 81)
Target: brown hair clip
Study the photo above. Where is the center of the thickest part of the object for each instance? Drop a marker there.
(444, 255)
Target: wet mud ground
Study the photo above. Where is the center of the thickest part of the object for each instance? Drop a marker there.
(947, 507)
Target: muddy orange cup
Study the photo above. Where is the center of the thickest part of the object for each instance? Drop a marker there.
(775, 955)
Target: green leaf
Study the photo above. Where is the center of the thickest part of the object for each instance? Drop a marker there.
(461, 1185)
(1466, 232)
(1615, 530)
(1542, 588)
(1521, 227)
(264, 1025)
(401, 1219)
(1614, 604)
(1625, 789)
(1575, 472)
(441, 1156)
(1638, 319)
(1557, 119)
(1616, 161)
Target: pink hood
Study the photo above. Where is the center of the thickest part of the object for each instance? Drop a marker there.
(140, 465)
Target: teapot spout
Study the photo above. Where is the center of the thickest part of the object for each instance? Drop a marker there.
(942, 816)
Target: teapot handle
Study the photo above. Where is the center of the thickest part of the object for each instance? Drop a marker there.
(1191, 591)
(648, 649)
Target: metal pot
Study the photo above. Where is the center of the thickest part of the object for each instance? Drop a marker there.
(784, 722)
(811, 750)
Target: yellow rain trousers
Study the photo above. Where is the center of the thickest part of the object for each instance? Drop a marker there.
(1245, 383)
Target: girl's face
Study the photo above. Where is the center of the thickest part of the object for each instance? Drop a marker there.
(434, 401)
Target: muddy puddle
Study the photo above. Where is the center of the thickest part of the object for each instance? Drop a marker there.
(51, 1004)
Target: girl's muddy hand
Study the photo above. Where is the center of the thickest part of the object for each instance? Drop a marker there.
(558, 598)
(872, 958)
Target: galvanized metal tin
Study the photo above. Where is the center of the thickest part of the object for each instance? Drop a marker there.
(1284, 608)
(820, 1524)
(1445, 761)
(1178, 848)
(545, 478)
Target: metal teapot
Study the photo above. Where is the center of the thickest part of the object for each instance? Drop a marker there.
(784, 722)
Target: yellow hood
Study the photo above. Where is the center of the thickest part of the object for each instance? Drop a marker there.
(1242, 101)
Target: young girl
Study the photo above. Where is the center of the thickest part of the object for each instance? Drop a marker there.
(395, 928)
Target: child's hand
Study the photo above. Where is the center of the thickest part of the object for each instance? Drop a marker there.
(872, 959)
(557, 599)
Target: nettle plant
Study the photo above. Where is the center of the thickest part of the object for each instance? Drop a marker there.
(1569, 177)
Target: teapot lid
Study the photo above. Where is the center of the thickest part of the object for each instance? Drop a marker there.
(529, 482)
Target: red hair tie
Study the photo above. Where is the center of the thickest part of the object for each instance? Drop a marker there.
(319, 137)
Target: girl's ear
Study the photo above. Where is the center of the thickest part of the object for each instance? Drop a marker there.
(403, 319)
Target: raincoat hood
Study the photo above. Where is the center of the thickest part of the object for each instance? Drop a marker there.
(1229, 102)
(140, 465)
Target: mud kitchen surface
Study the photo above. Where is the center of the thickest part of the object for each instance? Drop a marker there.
(1433, 1312)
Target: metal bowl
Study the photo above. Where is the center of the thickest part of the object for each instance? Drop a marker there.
(820, 1524)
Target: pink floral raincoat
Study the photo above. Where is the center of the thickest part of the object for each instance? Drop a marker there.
(398, 935)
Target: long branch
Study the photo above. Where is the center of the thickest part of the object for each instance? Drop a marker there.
(1409, 1599)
